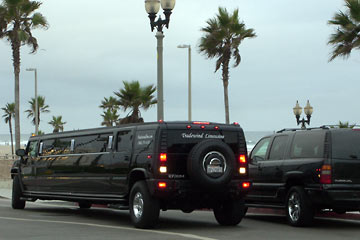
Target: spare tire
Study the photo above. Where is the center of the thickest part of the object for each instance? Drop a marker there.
(210, 164)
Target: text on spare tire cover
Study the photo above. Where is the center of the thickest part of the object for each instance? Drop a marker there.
(202, 135)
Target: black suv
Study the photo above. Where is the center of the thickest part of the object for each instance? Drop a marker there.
(140, 167)
(305, 171)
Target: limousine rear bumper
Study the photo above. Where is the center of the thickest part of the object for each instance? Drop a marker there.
(165, 187)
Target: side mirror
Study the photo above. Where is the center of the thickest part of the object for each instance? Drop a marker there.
(20, 152)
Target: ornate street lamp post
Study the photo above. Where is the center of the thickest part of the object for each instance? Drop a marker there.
(308, 112)
(152, 7)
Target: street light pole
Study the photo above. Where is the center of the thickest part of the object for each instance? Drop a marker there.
(189, 78)
(36, 102)
(152, 7)
(160, 76)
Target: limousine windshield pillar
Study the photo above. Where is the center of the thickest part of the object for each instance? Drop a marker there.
(36, 102)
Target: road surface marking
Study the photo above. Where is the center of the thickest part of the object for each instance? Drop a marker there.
(190, 236)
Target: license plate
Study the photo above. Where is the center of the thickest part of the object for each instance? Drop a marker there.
(214, 169)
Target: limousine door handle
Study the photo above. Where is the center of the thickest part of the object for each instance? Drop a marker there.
(126, 158)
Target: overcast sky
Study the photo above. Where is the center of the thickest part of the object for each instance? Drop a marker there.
(92, 46)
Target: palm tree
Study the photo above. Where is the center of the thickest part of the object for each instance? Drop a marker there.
(347, 33)
(110, 106)
(17, 19)
(57, 124)
(134, 96)
(9, 110)
(43, 108)
(346, 125)
(223, 36)
(109, 103)
(110, 118)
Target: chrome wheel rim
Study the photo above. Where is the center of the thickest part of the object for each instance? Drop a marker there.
(138, 205)
(294, 207)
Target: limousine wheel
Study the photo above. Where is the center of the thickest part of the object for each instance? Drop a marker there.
(230, 212)
(144, 209)
(299, 211)
(16, 201)
(211, 164)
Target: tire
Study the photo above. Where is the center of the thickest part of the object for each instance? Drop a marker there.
(144, 209)
(16, 201)
(230, 213)
(299, 210)
(84, 205)
(211, 153)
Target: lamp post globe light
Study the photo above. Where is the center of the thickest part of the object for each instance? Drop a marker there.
(189, 78)
(308, 110)
(36, 102)
(152, 7)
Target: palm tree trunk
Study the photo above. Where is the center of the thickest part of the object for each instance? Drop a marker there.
(15, 45)
(225, 75)
(12, 140)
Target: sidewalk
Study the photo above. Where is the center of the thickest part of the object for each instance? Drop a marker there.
(5, 188)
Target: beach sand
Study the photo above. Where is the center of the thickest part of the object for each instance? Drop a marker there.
(5, 150)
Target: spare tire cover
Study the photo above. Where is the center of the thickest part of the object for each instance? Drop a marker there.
(210, 164)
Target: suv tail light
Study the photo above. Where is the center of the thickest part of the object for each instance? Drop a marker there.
(325, 175)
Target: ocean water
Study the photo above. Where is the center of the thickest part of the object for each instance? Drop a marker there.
(5, 139)
(251, 138)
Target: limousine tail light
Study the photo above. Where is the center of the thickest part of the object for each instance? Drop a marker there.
(325, 175)
(245, 184)
(161, 185)
(163, 157)
(242, 158)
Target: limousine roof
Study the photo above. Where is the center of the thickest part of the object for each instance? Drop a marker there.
(142, 126)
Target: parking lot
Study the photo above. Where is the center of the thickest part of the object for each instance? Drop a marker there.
(63, 221)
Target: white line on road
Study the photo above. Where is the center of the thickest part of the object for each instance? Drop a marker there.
(190, 236)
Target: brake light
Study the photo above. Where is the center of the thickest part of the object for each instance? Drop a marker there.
(325, 175)
(202, 123)
(245, 184)
(216, 127)
(202, 127)
(163, 157)
(161, 185)
(188, 126)
(242, 158)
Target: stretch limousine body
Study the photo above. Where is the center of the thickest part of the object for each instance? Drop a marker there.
(141, 167)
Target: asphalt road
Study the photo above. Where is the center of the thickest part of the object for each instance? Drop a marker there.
(58, 221)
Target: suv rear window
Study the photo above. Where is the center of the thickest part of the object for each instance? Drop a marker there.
(308, 145)
(346, 144)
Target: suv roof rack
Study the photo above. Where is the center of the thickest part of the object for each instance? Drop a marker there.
(300, 129)
(338, 126)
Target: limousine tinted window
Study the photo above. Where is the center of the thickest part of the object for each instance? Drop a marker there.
(92, 143)
(124, 140)
(32, 149)
(56, 146)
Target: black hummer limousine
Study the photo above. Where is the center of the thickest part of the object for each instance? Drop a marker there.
(140, 167)
(305, 171)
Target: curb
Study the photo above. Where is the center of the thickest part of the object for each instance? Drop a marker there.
(267, 211)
